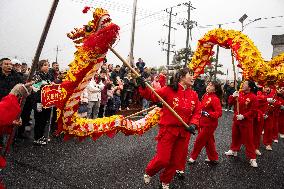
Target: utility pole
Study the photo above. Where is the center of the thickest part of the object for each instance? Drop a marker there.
(57, 53)
(216, 63)
(188, 28)
(131, 58)
(169, 34)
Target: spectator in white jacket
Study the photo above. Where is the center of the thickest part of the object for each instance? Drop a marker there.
(94, 89)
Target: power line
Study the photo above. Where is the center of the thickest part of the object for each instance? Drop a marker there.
(234, 22)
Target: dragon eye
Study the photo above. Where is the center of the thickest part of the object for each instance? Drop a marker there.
(88, 28)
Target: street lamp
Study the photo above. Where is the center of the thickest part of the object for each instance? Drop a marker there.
(242, 19)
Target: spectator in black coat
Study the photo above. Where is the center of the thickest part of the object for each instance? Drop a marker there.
(229, 90)
(54, 72)
(8, 77)
(41, 115)
(140, 65)
(114, 75)
(200, 87)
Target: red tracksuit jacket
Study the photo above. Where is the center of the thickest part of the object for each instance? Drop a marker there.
(9, 110)
(247, 105)
(211, 104)
(263, 105)
(184, 101)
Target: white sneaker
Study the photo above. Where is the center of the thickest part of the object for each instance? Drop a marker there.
(281, 135)
(226, 110)
(268, 147)
(275, 141)
(257, 152)
(207, 160)
(253, 162)
(147, 179)
(180, 172)
(165, 186)
(231, 153)
(231, 111)
(190, 160)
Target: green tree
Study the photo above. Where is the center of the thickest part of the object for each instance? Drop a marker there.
(179, 57)
(210, 69)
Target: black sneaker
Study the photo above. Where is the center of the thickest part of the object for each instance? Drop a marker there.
(180, 175)
(211, 162)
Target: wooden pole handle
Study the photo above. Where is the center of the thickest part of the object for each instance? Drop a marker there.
(142, 111)
(235, 83)
(150, 87)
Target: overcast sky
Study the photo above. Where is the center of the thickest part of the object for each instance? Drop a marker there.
(22, 22)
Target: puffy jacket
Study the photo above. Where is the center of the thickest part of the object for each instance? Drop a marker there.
(41, 79)
(212, 105)
(94, 90)
(8, 82)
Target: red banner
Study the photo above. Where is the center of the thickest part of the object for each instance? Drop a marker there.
(51, 95)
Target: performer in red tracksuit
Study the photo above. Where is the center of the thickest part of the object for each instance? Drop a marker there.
(277, 105)
(266, 98)
(258, 120)
(10, 111)
(277, 109)
(242, 129)
(280, 92)
(173, 138)
(211, 110)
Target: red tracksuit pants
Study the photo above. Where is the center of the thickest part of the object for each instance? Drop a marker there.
(242, 133)
(268, 128)
(257, 131)
(281, 122)
(275, 128)
(171, 154)
(205, 139)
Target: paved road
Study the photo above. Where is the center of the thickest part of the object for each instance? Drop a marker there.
(119, 163)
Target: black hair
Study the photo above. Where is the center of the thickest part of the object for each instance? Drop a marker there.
(105, 60)
(40, 64)
(108, 86)
(218, 89)
(54, 63)
(176, 78)
(252, 86)
(2, 59)
(24, 64)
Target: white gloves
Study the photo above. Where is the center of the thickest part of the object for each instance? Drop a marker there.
(39, 107)
(236, 94)
(240, 117)
(270, 100)
(265, 116)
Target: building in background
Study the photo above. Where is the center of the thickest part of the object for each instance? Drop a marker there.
(278, 44)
